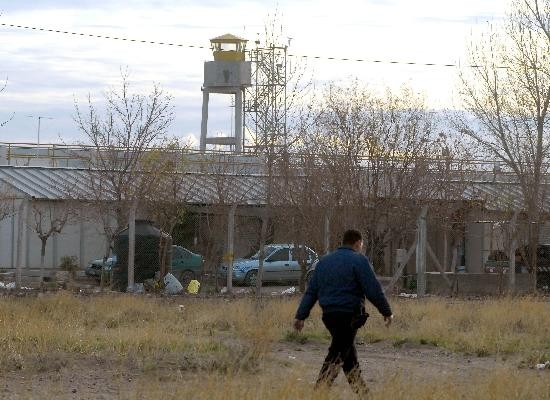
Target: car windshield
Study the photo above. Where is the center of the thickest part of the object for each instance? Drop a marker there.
(267, 251)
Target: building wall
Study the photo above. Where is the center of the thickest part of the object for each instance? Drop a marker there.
(81, 237)
(476, 241)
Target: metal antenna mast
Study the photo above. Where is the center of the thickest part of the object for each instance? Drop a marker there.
(265, 102)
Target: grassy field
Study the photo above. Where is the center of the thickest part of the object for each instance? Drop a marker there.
(218, 348)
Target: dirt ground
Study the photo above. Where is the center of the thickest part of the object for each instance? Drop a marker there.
(63, 377)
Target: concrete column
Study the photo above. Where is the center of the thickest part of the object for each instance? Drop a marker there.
(12, 221)
(204, 121)
(55, 251)
(27, 232)
(21, 228)
(238, 120)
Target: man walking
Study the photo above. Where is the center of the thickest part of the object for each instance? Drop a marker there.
(341, 282)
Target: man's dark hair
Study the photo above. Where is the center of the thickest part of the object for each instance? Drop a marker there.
(351, 236)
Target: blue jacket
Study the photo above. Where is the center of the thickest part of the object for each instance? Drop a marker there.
(341, 282)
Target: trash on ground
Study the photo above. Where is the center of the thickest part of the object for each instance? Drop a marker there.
(408, 295)
(193, 287)
(541, 366)
(139, 288)
(290, 290)
(224, 290)
(171, 284)
(10, 285)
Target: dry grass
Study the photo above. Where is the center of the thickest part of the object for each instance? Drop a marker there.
(219, 349)
(123, 324)
(499, 385)
(497, 326)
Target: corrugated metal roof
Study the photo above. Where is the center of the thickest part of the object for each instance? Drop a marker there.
(48, 183)
(502, 196)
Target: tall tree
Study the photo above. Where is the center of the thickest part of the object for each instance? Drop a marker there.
(507, 93)
(374, 150)
(119, 137)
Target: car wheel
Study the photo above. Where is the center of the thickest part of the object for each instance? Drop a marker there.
(186, 277)
(250, 278)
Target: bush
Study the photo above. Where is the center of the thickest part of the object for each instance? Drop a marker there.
(70, 264)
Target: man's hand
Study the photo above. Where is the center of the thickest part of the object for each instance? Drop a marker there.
(388, 320)
(298, 324)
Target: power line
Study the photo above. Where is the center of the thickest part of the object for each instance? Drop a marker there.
(349, 59)
(34, 28)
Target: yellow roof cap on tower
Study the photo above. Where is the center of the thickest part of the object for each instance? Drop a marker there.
(228, 38)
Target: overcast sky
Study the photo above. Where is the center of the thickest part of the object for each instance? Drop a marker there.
(47, 72)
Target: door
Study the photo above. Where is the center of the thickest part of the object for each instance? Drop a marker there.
(277, 265)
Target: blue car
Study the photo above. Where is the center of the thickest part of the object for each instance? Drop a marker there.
(280, 265)
(96, 266)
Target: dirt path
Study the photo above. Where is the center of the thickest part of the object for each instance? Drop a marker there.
(379, 361)
(72, 377)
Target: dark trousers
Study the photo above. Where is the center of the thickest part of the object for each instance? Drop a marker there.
(341, 353)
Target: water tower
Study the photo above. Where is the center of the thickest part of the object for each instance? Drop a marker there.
(229, 73)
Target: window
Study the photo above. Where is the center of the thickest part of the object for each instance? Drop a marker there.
(279, 255)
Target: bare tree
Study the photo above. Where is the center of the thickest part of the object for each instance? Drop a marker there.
(508, 95)
(119, 137)
(49, 219)
(167, 204)
(374, 151)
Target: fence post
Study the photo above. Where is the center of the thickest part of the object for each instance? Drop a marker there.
(512, 255)
(230, 246)
(259, 277)
(421, 253)
(131, 245)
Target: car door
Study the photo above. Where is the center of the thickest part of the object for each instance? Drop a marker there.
(295, 270)
(178, 258)
(277, 265)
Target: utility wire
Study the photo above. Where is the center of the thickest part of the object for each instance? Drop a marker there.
(34, 28)
(103, 36)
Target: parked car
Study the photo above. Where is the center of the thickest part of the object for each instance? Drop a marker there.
(96, 266)
(185, 265)
(280, 265)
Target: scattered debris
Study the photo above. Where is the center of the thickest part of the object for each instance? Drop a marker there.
(224, 290)
(10, 285)
(290, 290)
(546, 365)
(193, 287)
(292, 357)
(408, 295)
(139, 288)
(171, 284)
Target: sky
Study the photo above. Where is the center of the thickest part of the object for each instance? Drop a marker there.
(48, 72)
